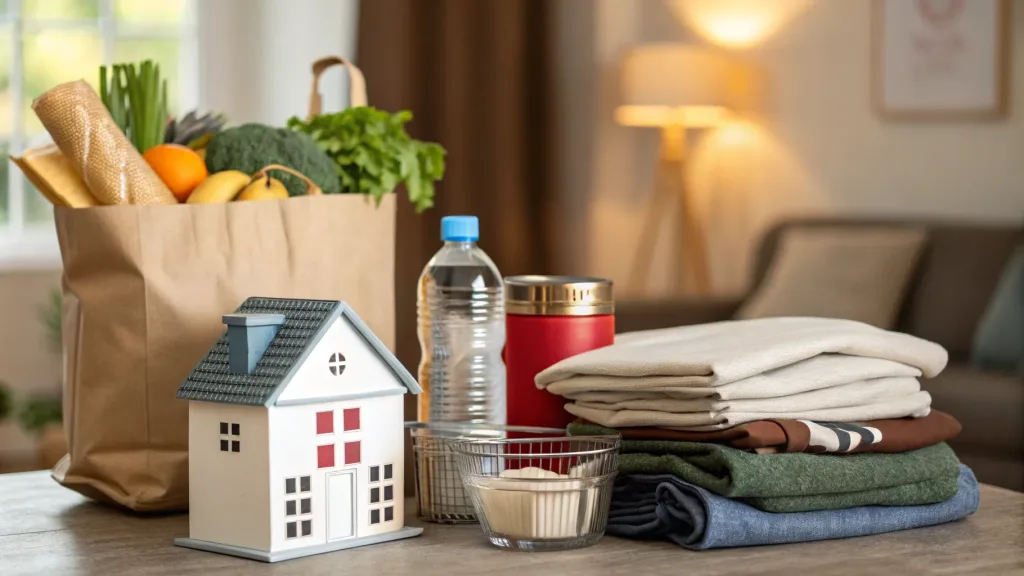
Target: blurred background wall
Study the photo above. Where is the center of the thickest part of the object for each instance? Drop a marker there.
(28, 365)
(816, 147)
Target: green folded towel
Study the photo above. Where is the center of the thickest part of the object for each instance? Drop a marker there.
(796, 482)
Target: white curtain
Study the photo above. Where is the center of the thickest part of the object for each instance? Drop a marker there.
(255, 55)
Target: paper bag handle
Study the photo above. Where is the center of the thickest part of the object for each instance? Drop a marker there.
(356, 84)
(311, 188)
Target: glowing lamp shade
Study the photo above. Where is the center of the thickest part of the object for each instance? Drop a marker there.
(679, 85)
(737, 23)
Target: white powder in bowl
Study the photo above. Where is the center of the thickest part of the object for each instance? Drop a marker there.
(557, 506)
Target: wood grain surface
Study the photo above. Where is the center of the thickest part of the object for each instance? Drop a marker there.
(46, 529)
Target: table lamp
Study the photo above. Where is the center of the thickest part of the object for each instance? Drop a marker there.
(676, 87)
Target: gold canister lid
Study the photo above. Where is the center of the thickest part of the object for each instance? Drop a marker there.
(558, 296)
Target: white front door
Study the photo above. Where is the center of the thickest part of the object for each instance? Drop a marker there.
(341, 505)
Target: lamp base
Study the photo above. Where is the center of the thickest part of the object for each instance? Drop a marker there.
(670, 188)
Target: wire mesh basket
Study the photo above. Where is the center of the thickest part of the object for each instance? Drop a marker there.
(440, 495)
(540, 493)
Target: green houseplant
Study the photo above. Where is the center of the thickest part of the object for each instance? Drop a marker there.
(6, 402)
(42, 415)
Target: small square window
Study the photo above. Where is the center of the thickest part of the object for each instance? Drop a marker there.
(289, 486)
(325, 422)
(374, 495)
(388, 471)
(325, 456)
(236, 429)
(389, 513)
(223, 427)
(223, 445)
(352, 452)
(289, 508)
(307, 527)
(374, 516)
(291, 531)
(304, 484)
(236, 446)
(389, 493)
(350, 417)
(306, 506)
(374, 473)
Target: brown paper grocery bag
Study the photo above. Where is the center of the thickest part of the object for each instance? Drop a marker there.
(145, 287)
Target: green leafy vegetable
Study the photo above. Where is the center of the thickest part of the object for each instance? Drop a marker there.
(137, 101)
(374, 154)
(250, 147)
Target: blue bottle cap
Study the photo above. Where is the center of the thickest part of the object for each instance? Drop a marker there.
(460, 229)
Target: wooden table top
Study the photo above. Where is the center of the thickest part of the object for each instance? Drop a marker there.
(47, 529)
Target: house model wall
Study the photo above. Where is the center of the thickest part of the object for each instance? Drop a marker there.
(304, 454)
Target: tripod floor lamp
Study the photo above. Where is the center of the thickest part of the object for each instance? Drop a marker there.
(675, 88)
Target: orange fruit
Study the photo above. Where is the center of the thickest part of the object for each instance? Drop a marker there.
(180, 167)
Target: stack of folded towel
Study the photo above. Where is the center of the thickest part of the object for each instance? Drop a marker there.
(768, 431)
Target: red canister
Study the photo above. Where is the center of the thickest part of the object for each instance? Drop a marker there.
(548, 319)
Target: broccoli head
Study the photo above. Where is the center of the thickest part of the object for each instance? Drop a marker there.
(251, 147)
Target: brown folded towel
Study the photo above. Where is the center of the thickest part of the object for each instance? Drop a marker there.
(890, 436)
(111, 167)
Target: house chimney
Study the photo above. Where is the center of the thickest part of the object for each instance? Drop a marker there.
(249, 335)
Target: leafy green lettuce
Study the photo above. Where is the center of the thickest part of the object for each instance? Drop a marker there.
(374, 154)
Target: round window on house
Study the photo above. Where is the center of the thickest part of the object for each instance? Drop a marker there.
(337, 363)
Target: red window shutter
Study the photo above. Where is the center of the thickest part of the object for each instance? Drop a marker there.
(351, 419)
(325, 456)
(352, 452)
(325, 422)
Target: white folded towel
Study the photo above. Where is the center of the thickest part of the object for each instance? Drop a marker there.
(916, 404)
(823, 371)
(725, 352)
(852, 394)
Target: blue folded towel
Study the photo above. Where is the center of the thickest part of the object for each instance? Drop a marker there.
(662, 506)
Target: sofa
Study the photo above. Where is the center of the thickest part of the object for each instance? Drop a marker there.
(954, 280)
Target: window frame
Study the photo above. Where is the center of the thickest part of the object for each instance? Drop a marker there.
(298, 507)
(326, 453)
(33, 245)
(325, 417)
(230, 437)
(378, 500)
(336, 364)
(358, 444)
(357, 416)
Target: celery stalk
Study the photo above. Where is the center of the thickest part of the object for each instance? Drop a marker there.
(136, 98)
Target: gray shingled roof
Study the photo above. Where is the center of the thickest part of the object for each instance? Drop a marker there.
(306, 321)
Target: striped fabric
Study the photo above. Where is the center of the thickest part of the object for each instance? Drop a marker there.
(840, 436)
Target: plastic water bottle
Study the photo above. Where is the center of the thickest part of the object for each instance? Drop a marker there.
(461, 310)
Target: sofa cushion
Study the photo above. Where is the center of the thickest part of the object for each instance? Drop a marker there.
(999, 341)
(851, 273)
(957, 276)
(988, 405)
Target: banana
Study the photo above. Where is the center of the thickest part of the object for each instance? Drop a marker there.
(219, 187)
(263, 187)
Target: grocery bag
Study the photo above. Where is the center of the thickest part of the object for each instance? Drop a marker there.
(145, 288)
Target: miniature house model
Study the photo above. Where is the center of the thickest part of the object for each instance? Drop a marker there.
(295, 434)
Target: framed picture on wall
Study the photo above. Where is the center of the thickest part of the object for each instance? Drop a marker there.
(940, 59)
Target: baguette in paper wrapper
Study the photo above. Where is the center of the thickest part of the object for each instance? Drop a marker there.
(82, 128)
